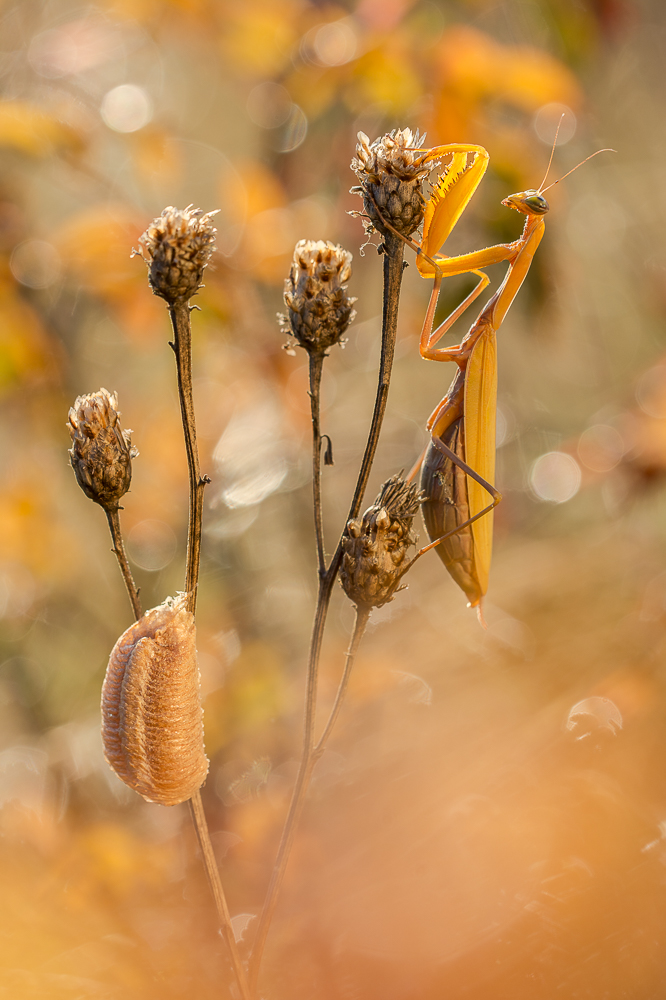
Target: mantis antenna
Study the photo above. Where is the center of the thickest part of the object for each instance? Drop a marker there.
(543, 190)
(552, 153)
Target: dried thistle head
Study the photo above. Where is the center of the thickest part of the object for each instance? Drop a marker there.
(316, 295)
(152, 721)
(101, 452)
(177, 247)
(390, 170)
(375, 548)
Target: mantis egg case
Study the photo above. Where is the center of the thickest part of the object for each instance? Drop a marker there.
(152, 720)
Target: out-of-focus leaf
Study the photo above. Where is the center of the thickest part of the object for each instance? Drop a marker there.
(29, 535)
(95, 247)
(531, 77)
(385, 76)
(121, 860)
(315, 89)
(155, 154)
(252, 189)
(258, 38)
(31, 130)
(30, 984)
(474, 69)
(252, 696)
(27, 355)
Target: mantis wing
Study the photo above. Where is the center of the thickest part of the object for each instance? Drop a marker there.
(480, 416)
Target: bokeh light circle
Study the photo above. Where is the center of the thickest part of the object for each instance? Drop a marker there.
(600, 448)
(334, 44)
(293, 133)
(555, 477)
(151, 544)
(269, 105)
(126, 108)
(35, 264)
(547, 119)
(651, 392)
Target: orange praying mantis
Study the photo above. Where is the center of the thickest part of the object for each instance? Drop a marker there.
(458, 465)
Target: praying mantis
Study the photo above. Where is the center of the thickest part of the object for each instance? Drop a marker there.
(458, 465)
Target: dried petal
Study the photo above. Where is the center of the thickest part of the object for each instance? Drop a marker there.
(101, 452)
(177, 247)
(374, 549)
(152, 721)
(390, 171)
(315, 294)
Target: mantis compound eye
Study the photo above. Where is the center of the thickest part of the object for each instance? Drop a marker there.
(536, 203)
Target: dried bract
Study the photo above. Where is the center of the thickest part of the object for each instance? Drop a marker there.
(152, 721)
(316, 295)
(390, 170)
(375, 548)
(101, 452)
(176, 247)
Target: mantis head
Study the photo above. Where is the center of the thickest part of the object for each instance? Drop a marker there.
(528, 202)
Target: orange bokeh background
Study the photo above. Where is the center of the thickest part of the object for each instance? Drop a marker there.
(490, 817)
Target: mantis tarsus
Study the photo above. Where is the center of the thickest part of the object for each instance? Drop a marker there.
(458, 466)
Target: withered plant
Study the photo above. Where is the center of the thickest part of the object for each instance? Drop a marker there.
(151, 715)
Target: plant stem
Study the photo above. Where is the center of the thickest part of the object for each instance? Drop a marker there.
(316, 367)
(113, 517)
(393, 268)
(182, 347)
(360, 623)
(210, 864)
(311, 755)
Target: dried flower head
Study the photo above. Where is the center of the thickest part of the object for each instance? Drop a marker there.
(316, 295)
(101, 452)
(152, 721)
(390, 170)
(176, 247)
(375, 548)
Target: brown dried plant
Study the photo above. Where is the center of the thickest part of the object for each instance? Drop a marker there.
(152, 722)
(390, 175)
(152, 718)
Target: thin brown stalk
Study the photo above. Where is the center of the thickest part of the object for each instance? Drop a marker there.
(182, 347)
(113, 517)
(393, 268)
(315, 370)
(362, 617)
(210, 864)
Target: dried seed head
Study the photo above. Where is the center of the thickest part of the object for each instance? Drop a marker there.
(375, 548)
(316, 295)
(152, 721)
(176, 247)
(390, 171)
(101, 452)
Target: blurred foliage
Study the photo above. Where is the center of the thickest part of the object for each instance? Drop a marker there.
(460, 840)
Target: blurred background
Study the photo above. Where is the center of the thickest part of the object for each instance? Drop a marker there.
(490, 818)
